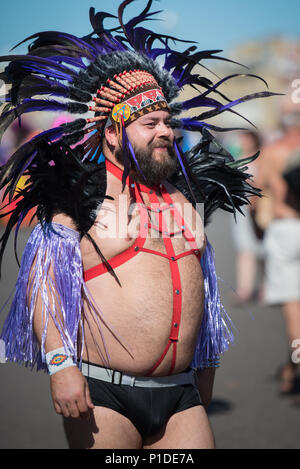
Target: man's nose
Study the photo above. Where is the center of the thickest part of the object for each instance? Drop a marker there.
(164, 130)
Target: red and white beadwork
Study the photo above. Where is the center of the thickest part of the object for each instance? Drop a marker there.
(128, 93)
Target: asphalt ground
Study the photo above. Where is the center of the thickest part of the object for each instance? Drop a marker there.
(247, 411)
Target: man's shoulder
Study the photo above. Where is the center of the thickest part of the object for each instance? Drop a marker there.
(174, 191)
(181, 199)
(64, 220)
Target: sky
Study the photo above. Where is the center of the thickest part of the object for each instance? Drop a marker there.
(219, 24)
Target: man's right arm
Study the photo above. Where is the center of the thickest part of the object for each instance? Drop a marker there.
(69, 388)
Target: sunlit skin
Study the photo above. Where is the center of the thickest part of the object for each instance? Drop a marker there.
(141, 308)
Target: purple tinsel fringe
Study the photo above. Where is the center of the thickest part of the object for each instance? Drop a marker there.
(215, 333)
(51, 268)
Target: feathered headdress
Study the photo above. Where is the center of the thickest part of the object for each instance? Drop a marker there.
(111, 75)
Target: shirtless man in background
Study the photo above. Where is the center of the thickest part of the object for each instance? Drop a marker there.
(140, 307)
(282, 238)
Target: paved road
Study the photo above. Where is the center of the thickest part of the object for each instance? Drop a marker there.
(246, 412)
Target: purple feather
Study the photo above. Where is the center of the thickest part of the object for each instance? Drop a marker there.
(194, 125)
(127, 146)
(229, 77)
(39, 65)
(181, 159)
(142, 16)
(262, 94)
(199, 101)
(29, 105)
(70, 61)
(58, 38)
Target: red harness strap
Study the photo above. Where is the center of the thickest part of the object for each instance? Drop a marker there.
(136, 189)
(176, 281)
(177, 296)
(133, 250)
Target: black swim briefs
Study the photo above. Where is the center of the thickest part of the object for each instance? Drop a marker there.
(148, 408)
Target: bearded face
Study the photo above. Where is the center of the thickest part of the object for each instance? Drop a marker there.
(152, 140)
(157, 162)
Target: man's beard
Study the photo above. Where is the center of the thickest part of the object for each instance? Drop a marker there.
(154, 169)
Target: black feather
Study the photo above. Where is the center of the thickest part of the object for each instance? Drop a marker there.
(217, 181)
(58, 182)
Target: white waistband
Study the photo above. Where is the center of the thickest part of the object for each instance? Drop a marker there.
(117, 377)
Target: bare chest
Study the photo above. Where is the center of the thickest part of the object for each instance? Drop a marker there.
(168, 228)
(160, 282)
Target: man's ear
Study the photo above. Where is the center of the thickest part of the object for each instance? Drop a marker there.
(111, 136)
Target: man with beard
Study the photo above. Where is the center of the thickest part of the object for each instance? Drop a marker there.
(132, 341)
(145, 291)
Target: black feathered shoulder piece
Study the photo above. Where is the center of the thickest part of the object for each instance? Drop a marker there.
(115, 75)
(57, 182)
(216, 179)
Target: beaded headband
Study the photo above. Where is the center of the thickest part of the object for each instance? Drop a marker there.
(127, 97)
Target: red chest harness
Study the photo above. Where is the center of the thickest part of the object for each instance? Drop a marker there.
(136, 190)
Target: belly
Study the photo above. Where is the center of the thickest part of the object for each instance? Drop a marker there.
(136, 315)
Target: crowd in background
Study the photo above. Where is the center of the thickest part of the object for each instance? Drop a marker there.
(267, 237)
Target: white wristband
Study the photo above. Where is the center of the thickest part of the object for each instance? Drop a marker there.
(58, 360)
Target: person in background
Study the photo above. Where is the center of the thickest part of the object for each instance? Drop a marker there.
(282, 238)
(246, 232)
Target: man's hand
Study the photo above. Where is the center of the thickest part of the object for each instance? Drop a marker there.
(70, 393)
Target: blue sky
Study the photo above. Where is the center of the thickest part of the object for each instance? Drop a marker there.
(219, 24)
